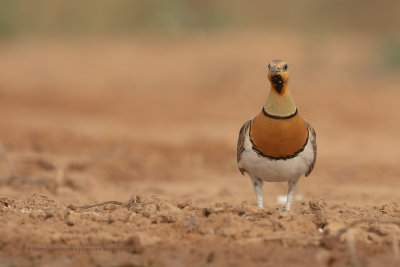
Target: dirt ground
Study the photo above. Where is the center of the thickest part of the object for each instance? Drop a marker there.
(152, 124)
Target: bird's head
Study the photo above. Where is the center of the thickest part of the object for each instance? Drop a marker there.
(278, 75)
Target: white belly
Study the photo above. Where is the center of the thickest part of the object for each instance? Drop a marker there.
(275, 170)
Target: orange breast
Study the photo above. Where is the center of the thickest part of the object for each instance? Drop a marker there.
(278, 137)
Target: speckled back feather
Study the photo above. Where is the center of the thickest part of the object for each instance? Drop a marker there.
(241, 139)
(313, 138)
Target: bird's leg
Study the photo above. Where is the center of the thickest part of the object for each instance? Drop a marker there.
(257, 185)
(292, 186)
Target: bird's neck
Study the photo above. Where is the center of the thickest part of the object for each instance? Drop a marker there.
(281, 105)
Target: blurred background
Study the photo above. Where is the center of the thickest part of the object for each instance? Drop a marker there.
(144, 91)
(102, 100)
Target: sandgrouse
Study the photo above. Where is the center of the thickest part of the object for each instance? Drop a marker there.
(277, 145)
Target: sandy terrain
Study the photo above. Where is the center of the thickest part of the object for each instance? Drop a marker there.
(152, 126)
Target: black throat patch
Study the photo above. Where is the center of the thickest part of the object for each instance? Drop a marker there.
(277, 83)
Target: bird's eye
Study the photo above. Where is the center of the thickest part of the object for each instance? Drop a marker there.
(285, 67)
(269, 66)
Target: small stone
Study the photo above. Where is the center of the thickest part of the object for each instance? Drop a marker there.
(317, 205)
(185, 203)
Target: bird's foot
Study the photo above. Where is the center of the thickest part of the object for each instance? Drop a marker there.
(286, 209)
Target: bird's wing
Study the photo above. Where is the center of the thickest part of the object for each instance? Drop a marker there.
(314, 144)
(241, 139)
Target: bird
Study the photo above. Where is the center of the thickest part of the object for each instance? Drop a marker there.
(277, 145)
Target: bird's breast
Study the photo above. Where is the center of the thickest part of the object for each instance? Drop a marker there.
(278, 138)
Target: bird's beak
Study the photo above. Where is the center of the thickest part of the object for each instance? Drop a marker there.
(274, 69)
